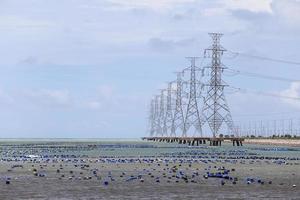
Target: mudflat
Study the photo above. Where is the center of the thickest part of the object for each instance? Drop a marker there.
(99, 171)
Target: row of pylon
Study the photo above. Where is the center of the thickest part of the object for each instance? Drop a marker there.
(176, 109)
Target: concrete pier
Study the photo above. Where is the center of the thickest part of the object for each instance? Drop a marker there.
(196, 141)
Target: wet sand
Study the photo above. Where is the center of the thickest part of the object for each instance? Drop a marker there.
(180, 176)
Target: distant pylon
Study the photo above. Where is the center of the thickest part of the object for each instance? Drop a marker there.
(169, 111)
(215, 108)
(178, 117)
(163, 126)
(192, 117)
(157, 115)
(152, 117)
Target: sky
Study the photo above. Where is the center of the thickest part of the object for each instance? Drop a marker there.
(88, 69)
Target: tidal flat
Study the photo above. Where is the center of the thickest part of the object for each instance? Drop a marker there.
(96, 169)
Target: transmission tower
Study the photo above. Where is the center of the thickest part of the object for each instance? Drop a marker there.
(157, 115)
(162, 114)
(152, 117)
(169, 111)
(215, 107)
(192, 117)
(178, 118)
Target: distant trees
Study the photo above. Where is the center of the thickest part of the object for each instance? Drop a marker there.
(286, 136)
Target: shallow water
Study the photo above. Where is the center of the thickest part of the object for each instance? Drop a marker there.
(135, 147)
(107, 160)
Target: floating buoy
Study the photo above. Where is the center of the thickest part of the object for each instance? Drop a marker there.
(105, 183)
(294, 185)
(7, 182)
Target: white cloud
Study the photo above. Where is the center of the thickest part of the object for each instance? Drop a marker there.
(17, 22)
(253, 5)
(94, 105)
(287, 11)
(49, 97)
(158, 5)
(5, 97)
(105, 98)
(294, 92)
(105, 91)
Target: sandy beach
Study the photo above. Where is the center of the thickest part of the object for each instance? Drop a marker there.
(73, 171)
(280, 142)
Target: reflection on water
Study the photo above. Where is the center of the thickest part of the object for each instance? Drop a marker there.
(134, 148)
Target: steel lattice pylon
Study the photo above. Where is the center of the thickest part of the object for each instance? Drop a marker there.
(156, 115)
(178, 118)
(215, 107)
(152, 117)
(162, 114)
(192, 117)
(169, 113)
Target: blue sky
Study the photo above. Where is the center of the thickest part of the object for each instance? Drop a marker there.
(77, 68)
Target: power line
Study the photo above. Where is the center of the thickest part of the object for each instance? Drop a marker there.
(266, 93)
(267, 114)
(263, 76)
(266, 58)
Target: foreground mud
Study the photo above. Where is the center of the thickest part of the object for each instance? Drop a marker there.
(198, 174)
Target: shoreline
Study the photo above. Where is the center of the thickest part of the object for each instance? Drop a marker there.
(282, 142)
